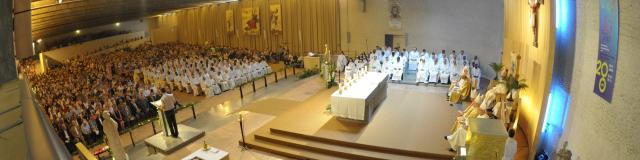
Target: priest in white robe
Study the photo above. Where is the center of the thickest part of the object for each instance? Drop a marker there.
(213, 87)
(455, 71)
(387, 52)
(477, 75)
(421, 75)
(195, 84)
(266, 69)
(413, 59)
(387, 66)
(378, 53)
(458, 138)
(248, 73)
(350, 70)
(230, 79)
(177, 81)
(432, 65)
(371, 56)
(237, 77)
(169, 80)
(398, 70)
(185, 83)
(341, 62)
(256, 69)
(360, 64)
(224, 85)
(444, 71)
(373, 64)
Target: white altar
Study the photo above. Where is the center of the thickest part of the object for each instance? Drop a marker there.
(360, 100)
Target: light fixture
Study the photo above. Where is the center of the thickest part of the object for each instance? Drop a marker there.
(39, 41)
(117, 24)
(77, 31)
(59, 1)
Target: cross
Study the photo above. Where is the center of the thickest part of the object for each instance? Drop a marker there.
(533, 19)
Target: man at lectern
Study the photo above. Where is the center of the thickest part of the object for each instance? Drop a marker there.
(168, 105)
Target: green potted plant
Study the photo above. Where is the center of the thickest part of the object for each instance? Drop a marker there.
(497, 67)
(514, 85)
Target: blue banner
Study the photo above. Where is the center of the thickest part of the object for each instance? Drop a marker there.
(607, 50)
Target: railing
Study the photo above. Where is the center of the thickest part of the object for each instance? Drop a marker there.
(42, 140)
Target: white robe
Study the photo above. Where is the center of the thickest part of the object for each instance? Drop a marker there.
(433, 71)
(387, 67)
(248, 73)
(378, 54)
(477, 75)
(224, 85)
(458, 138)
(444, 73)
(257, 70)
(185, 84)
(212, 87)
(238, 77)
(371, 55)
(413, 60)
(266, 69)
(230, 80)
(510, 148)
(349, 71)
(341, 62)
(398, 70)
(387, 53)
(455, 73)
(195, 84)
(375, 67)
(421, 75)
(177, 82)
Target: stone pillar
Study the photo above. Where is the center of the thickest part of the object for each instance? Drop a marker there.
(7, 60)
(22, 41)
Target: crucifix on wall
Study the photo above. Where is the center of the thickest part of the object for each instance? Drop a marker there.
(533, 19)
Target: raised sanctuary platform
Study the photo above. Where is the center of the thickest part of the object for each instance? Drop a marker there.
(409, 124)
(167, 145)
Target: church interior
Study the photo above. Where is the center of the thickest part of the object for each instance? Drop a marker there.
(319, 79)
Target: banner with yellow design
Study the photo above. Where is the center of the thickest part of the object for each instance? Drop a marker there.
(276, 17)
(229, 21)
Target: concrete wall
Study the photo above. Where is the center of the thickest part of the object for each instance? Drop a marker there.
(473, 25)
(136, 25)
(68, 52)
(7, 62)
(596, 129)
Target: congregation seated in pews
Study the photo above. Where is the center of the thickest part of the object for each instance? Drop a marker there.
(204, 75)
(125, 82)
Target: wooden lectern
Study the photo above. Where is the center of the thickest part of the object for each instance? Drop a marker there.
(161, 117)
